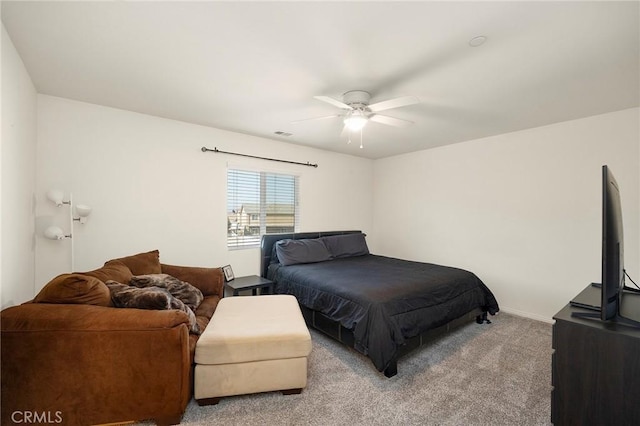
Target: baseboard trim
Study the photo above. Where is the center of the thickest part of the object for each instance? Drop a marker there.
(524, 314)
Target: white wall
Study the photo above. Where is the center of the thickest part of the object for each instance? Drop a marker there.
(18, 153)
(150, 186)
(521, 210)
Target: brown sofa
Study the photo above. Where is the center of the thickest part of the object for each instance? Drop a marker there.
(70, 357)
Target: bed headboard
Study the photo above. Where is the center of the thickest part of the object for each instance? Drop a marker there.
(266, 245)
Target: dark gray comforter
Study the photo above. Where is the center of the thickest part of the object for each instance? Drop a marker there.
(384, 300)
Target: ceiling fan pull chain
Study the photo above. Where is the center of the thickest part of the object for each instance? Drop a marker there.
(361, 146)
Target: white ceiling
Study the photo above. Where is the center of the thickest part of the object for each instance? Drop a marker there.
(254, 67)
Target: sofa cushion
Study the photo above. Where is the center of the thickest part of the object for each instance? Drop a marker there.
(210, 281)
(207, 307)
(185, 292)
(75, 289)
(125, 296)
(115, 271)
(141, 263)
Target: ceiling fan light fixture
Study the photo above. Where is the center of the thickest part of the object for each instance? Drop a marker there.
(355, 121)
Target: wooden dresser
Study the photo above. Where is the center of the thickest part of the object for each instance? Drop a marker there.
(596, 369)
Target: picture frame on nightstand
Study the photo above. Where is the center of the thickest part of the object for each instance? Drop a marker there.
(228, 273)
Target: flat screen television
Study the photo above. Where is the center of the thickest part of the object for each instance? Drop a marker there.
(613, 272)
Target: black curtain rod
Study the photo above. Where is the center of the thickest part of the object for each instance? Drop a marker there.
(216, 150)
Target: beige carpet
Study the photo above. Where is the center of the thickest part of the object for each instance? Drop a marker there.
(498, 374)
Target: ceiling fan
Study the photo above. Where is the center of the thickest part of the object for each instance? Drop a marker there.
(357, 112)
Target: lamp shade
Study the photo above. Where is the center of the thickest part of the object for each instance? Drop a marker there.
(56, 196)
(54, 233)
(355, 121)
(83, 211)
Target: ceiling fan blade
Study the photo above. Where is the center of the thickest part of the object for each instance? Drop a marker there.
(394, 103)
(315, 118)
(390, 121)
(333, 102)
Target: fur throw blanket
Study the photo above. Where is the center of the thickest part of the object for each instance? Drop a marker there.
(125, 296)
(187, 293)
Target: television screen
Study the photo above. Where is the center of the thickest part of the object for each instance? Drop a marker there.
(613, 273)
(612, 246)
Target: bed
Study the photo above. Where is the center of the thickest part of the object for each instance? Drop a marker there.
(383, 307)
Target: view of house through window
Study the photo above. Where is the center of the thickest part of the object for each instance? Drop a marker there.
(259, 203)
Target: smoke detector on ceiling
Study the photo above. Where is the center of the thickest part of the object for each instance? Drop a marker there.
(477, 41)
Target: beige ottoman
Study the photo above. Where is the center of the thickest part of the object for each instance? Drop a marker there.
(252, 344)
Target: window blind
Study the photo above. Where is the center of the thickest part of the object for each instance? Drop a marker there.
(259, 203)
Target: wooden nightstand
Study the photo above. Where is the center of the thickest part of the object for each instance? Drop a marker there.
(251, 282)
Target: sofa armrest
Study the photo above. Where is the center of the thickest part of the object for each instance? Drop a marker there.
(210, 281)
(59, 317)
(94, 365)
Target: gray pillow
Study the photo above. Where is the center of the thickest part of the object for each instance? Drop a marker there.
(293, 252)
(346, 245)
(125, 296)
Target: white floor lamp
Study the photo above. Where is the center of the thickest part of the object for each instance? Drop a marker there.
(55, 232)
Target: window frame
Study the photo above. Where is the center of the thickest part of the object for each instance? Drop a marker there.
(253, 241)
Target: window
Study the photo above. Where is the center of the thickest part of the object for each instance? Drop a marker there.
(259, 203)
